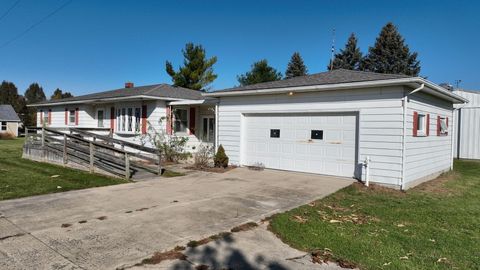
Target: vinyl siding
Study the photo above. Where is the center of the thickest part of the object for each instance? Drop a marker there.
(468, 127)
(427, 155)
(379, 124)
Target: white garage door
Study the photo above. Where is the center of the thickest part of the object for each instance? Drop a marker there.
(315, 143)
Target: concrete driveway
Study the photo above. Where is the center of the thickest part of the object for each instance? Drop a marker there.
(116, 226)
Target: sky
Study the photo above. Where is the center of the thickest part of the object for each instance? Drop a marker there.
(90, 46)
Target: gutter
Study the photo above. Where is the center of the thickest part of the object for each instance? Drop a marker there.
(404, 137)
(103, 100)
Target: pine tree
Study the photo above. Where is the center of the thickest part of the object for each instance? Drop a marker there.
(390, 54)
(9, 94)
(34, 93)
(260, 72)
(296, 67)
(59, 94)
(197, 71)
(349, 57)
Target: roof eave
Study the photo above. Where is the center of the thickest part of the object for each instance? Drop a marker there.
(102, 100)
(341, 86)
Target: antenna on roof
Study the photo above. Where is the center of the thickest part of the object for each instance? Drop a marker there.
(333, 49)
(457, 83)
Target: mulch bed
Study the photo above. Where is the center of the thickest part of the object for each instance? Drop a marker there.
(211, 169)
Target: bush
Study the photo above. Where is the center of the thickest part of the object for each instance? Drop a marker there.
(203, 156)
(7, 135)
(220, 159)
(173, 150)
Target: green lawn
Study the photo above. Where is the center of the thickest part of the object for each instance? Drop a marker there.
(21, 177)
(433, 226)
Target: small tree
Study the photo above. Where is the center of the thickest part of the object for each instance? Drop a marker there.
(348, 58)
(260, 72)
(220, 159)
(59, 94)
(197, 71)
(296, 67)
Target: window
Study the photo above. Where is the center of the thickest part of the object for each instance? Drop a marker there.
(130, 120)
(45, 118)
(208, 129)
(137, 119)
(4, 126)
(316, 135)
(71, 118)
(421, 125)
(180, 122)
(123, 119)
(443, 126)
(100, 118)
(274, 133)
(119, 128)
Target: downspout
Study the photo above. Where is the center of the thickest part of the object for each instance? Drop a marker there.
(216, 126)
(404, 137)
(455, 134)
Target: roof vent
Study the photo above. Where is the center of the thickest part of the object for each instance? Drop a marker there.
(129, 85)
(447, 86)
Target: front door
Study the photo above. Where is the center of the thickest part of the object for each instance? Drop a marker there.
(208, 129)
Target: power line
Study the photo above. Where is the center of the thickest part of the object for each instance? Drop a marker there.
(36, 24)
(8, 10)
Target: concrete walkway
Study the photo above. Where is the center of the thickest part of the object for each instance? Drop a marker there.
(116, 226)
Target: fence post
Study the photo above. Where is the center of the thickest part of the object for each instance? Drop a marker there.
(43, 137)
(91, 157)
(65, 157)
(159, 163)
(127, 167)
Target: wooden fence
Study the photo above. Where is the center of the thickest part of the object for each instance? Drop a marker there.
(91, 150)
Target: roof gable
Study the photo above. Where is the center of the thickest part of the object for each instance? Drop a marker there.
(7, 113)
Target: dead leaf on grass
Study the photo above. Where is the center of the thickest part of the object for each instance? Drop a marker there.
(55, 176)
(312, 204)
(335, 221)
(404, 258)
(386, 264)
(300, 219)
(442, 260)
(400, 225)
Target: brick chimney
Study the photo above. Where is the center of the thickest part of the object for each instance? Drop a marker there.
(129, 85)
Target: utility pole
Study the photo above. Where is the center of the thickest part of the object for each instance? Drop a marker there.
(457, 83)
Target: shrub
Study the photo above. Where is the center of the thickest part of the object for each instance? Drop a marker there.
(173, 150)
(203, 156)
(7, 135)
(221, 159)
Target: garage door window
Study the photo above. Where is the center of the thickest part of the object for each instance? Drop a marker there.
(317, 135)
(274, 133)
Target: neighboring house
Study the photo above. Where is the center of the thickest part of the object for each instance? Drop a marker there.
(8, 120)
(467, 142)
(326, 123)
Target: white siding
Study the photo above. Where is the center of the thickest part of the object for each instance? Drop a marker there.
(379, 127)
(427, 155)
(468, 127)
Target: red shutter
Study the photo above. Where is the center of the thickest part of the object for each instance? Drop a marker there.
(428, 125)
(191, 126)
(447, 126)
(66, 116)
(144, 119)
(415, 124)
(438, 125)
(49, 116)
(112, 118)
(76, 116)
(169, 120)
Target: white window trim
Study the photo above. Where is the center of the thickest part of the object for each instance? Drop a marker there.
(70, 123)
(104, 117)
(187, 130)
(444, 120)
(120, 123)
(422, 132)
(208, 117)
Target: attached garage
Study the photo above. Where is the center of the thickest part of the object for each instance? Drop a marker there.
(340, 123)
(323, 143)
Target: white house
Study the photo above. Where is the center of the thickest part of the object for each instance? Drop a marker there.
(326, 123)
(8, 120)
(467, 117)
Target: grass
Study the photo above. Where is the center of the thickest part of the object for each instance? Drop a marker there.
(433, 226)
(21, 177)
(168, 173)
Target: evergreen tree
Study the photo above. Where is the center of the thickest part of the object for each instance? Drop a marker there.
(9, 94)
(296, 67)
(197, 71)
(390, 54)
(34, 93)
(348, 58)
(58, 94)
(260, 72)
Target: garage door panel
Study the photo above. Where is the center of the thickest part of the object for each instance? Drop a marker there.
(295, 149)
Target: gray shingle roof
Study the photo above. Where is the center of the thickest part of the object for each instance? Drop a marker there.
(157, 90)
(330, 77)
(7, 113)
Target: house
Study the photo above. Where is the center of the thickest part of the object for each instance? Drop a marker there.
(393, 130)
(8, 120)
(467, 117)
